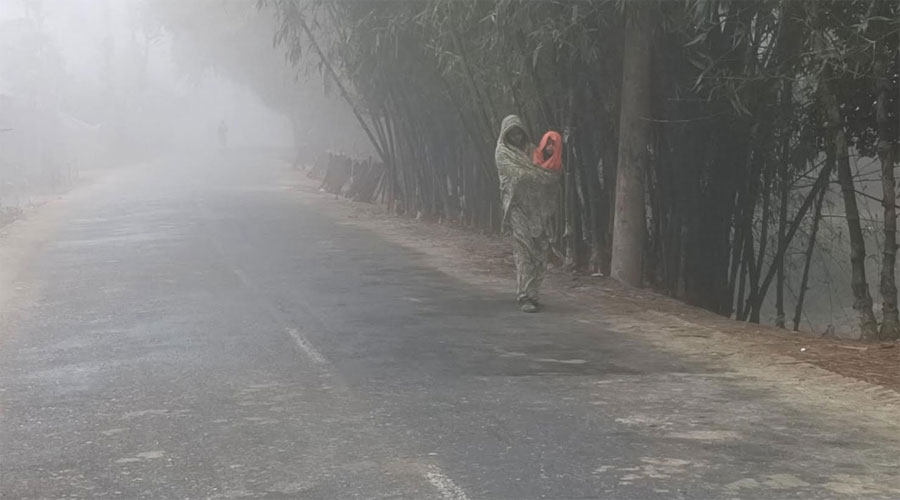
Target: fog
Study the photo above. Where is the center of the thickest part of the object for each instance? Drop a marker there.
(92, 84)
(449, 249)
(99, 84)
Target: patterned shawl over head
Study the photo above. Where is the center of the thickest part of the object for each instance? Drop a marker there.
(526, 188)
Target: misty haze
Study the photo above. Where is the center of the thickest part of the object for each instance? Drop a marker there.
(449, 249)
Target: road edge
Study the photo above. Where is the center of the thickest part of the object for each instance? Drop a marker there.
(793, 380)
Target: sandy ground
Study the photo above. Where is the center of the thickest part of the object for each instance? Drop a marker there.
(853, 375)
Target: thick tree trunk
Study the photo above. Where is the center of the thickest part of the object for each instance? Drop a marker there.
(887, 154)
(862, 301)
(629, 229)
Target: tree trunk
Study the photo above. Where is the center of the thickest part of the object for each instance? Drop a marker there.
(610, 155)
(487, 114)
(747, 257)
(571, 204)
(779, 277)
(596, 237)
(810, 245)
(837, 139)
(629, 229)
(862, 302)
(346, 95)
(788, 42)
(821, 183)
(749, 275)
(756, 297)
(786, 104)
(737, 247)
(887, 154)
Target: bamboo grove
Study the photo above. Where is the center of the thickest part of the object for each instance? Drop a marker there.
(701, 135)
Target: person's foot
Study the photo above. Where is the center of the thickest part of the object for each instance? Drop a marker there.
(529, 307)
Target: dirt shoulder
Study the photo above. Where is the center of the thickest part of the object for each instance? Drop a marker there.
(24, 229)
(847, 373)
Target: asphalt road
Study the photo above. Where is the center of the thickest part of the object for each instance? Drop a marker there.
(191, 330)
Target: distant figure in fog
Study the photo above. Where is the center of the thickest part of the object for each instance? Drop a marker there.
(530, 196)
(549, 153)
(223, 134)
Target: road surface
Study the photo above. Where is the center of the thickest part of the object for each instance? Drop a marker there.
(190, 329)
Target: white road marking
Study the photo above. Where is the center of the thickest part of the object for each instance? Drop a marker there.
(563, 361)
(447, 488)
(304, 344)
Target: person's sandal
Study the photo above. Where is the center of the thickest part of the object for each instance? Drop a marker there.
(529, 307)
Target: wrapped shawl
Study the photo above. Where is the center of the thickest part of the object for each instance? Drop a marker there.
(527, 189)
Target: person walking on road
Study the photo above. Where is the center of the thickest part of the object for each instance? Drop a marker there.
(530, 196)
